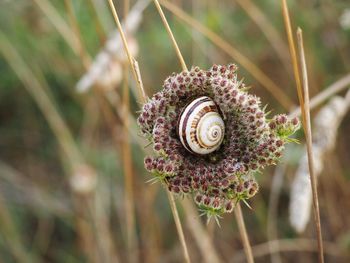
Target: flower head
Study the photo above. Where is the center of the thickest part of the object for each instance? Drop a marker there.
(219, 179)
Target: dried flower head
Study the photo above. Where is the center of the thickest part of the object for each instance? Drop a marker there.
(220, 179)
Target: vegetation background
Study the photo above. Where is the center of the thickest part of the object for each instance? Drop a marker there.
(72, 183)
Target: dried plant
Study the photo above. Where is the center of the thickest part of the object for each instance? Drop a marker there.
(325, 129)
(220, 179)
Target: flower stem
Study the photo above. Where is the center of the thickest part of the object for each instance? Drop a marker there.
(243, 232)
(308, 136)
(171, 35)
(127, 51)
(178, 226)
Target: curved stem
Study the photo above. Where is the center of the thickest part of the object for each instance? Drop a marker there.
(178, 226)
(308, 136)
(243, 232)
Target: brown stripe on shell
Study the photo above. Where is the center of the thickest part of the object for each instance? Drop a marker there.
(183, 131)
(201, 113)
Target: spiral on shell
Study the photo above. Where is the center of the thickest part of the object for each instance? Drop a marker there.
(201, 128)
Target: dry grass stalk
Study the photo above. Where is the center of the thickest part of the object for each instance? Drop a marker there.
(107, 63)
(127, 165)
(70, 150)
(83, 54)
(328, 92)
(268, 30)
(171, 35)
(293, 245)
(106, 68)
(199, 233)
(11, 237)
(293, 52)
(59, 24)
(98, 25)
(137, 77)
(308, 136)
(30, 193)
(260, 76)
(243, 232)
(127, 50)
(326, 125)
(35, 89)
(179, 227)
(272, 233)
(84, 183)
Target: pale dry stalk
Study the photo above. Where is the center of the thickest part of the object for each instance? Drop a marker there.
(171, 35)
(179, 227)
(200, 234)
(127, 51)
(106, 67)
(97, 212)
(331, 90)
(243, 232)
(325, 128)
(294, 245)
(272, 233)
(35, 89)
(11, 237)
(31, 193)
(65, 139)
(98, 25)
(293, 53)
(127, 164)
(268, 30)
(308, 136)
(59, 24)
(83, 54)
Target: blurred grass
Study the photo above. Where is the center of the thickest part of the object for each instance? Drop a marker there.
(47, 232)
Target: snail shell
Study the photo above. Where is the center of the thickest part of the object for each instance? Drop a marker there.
(201, 128)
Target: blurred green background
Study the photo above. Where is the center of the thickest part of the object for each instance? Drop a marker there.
(63, 153)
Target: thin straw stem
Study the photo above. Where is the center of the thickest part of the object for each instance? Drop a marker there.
(37, 91)
(99, 28)
(127, 50)
(270, 32)
(308, 135)
(171, 35)
(243, 232)
(82, 51)
(10, 236)
(127, 163)
(199, 233)
(178, 226)
(338, 86)
(137, 77)
(293, 245)
(259, 75)
(58, 126)
(292, 51)
(59, 23)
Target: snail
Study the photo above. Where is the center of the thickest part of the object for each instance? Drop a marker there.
(201, 128)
